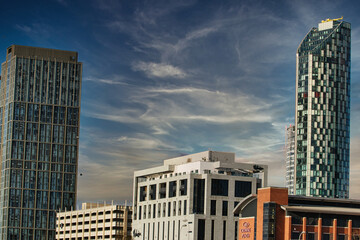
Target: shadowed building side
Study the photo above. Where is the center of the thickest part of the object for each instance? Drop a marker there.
(40, 116)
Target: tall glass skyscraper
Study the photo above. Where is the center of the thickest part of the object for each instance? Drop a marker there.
(39, 114)
(323, 111)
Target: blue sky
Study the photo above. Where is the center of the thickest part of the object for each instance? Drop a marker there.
(165, 78)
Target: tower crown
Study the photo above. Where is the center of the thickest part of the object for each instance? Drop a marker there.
(331, 20)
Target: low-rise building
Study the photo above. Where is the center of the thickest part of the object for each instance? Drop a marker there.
(95, 221)
(273, 214)
(192, 197)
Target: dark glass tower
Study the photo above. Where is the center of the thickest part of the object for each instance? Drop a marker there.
(40, 110)
(323, 111)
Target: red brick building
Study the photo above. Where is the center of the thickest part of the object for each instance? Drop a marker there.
(273, 214)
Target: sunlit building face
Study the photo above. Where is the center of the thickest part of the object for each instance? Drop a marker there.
(40, 117)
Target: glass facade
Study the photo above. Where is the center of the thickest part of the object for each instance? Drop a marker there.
(40, 116)
(323, 111)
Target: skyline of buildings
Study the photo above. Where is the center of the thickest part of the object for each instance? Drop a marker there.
(40, 107)
(40, 116)
(192, 197)
(322, 120)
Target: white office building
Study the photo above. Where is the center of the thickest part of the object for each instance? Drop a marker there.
(193, 196)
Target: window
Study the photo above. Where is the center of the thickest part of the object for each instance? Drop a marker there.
(235, 204)
(162, 190)
(219, 187)
(225, 208)
(199, 196)
(183, 187)
(212, 229)
(236, 230)
(152, 193)
(213, 207)
(224, 230)
(269, 221)
(184, 207)
(201, 229)
(242, 188)
(174, 208)
(143, 193)
(144, 211)
(154, 210)
(169, 208)
(172, 189)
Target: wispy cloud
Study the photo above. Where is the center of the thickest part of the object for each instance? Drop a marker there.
(188, 80)
(160, 70)
(144, 142)
(37, 31)
(114, 80)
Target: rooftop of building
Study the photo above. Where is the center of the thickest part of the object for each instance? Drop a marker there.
(42, 53)
(309, 204)
(94, 207)
(321, 201)
(223, 161)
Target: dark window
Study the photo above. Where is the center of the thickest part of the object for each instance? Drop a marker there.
(236, 230)
(311, 236)
(269, 221)
(199, 196)
(325, 236)
(152, 193)
(172, 189)
(212, 229)
(154, 210)
(201, 229)
(225, 208)
(213, 207)
(183, 187)
(162, 190)
(173, 237)
(242, 189)
(168, 228)
(219, 187)
(184, 207)
(143, 193)
(224, 230)
(169, 208)
(235, 204)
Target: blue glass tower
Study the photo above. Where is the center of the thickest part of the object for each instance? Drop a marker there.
(39, 113)
(323, 111)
